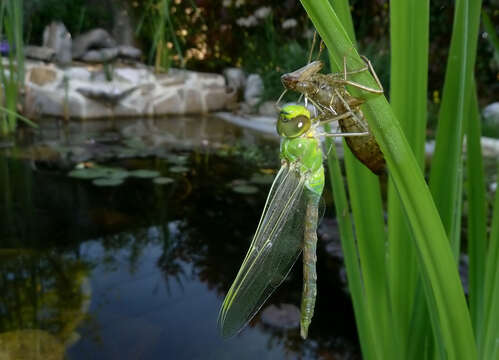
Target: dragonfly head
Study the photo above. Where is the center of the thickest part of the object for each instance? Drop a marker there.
(293, 121)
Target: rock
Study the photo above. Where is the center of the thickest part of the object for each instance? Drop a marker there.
(174, 77)
(58, 38)
(41, 75)
(94, 39)
(286, 316)
(193, 102)
(171, 104)
(123, 29)
(100, 56)
(78, 73)
(235, 78)
(129, 52)
(107, 95)
(490, 146)
(39, 53)
(491, 114)
(268, 108)
(134, 76)
(217, 99)
(493, 187)
(254, 89)
(83, 92)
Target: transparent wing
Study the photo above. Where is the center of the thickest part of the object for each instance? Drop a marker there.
(275, 247)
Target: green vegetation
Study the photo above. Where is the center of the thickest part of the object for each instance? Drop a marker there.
(405, 279)
(12, 71)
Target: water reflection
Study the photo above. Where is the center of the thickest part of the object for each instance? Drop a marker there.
(140, 270)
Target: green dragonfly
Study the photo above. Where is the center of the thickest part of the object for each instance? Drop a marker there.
(288, 225)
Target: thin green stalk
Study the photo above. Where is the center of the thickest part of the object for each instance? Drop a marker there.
(445, 176)
(477, 245)
(364, 322)
(450, 313)
(491, 32)
(409, 32)
(488, 344)
(365, 199)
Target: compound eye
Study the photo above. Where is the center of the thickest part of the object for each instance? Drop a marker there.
(292, 126)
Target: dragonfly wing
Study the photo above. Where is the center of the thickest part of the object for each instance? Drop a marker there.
(275, 247)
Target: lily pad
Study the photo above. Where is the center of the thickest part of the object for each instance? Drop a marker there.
(88, 173)
(245, 189)
(262, 179)
(107, 182)
(179, 169)
(144, 174)
(163, 180)
(177, 159)
(116, 173)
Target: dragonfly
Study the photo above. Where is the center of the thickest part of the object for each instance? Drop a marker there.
(287, 226)
(330, 96)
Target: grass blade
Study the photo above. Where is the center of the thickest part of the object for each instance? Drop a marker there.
(489, 350)
(409, 31)
(476, 213)
(446, 169)
(365, 199)
(364, 323)
(450, 313)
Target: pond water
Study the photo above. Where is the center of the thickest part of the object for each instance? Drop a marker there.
(139, 270)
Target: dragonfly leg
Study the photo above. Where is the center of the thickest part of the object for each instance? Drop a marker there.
(345, 72)
(354, 115)
(348, 134)
(369, 68)
(336, 118)
(280, 98)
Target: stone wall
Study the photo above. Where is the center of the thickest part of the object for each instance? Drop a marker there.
(84, 91)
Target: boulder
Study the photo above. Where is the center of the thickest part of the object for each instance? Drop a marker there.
(236, 79)
(58, 38)
(100, 56)
(268, 108)
(254, 90)
(170, 104)
(490, 114)
(94, 39)
(105, 94)
(193, 102)
(129, 52)
(41, 75)
(39, 53)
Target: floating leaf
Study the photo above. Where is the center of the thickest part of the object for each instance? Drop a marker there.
(245, 189)
(107, 182)
(135, 143)
(177, 159)
(143, 173)
(116, 173)
(163, 180)
(179, 169)
(262, 179)
(87, 173)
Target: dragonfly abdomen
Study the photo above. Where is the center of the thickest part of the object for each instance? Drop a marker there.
(309, 292)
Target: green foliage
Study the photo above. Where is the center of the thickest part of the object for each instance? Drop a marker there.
(77, 15)
(394, 308)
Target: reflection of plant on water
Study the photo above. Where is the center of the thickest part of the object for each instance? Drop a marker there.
(43, 291)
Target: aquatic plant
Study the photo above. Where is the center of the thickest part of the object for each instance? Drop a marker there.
(406, 291)
(113, 176)
(11, 73)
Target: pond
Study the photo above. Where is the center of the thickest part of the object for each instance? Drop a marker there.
(139, 270)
